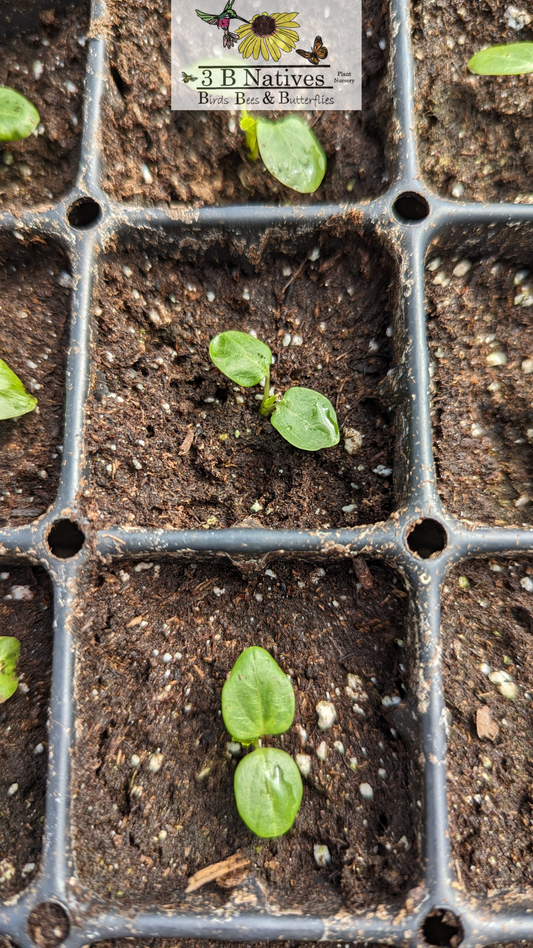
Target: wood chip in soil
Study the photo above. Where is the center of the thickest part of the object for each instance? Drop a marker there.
(142, 828)
(200, 157)
(480, 329)
(474, 131)
(174, 443)
(487, 629)
(34, 313)
(47, 65)
(26, 613)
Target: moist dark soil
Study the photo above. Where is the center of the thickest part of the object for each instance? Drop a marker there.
(487, 627)
(474, 131)
(34, 311)
(26, 613)
(482, 414)
(173, 443)
(166, 635)
(47, 66)
(199, 157)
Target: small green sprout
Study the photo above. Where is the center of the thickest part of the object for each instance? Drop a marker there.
(14, 399)
(305, 418)
(289, 149)
(9, 656)
(514, 59)
(18, 117)
(258, 699)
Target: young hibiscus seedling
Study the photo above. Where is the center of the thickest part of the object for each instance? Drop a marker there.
(513, 59)
(9, 656)
(305, 418)
(258, 699)
(18, 117)
(289, 149)
(14, 399)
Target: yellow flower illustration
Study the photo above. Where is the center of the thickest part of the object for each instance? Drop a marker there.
(268, 34)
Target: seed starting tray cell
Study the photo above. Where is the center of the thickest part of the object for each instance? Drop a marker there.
(419, 540)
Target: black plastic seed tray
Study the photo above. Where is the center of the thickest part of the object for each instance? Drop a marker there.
(408, 219)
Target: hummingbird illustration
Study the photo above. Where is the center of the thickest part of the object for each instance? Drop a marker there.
(222, 20)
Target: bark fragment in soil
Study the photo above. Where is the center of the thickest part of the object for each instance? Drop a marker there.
(200, 156)
(26, 613)
(173, 443)
(475, 131)
(47, 65)
(34, 311)
(487, 628)
(481, 342)
(156, 645)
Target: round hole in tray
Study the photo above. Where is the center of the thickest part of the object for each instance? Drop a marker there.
(48, 924)
(65, 539)
(441, 927)
(427, 538)
(410, 207)
(83, 213)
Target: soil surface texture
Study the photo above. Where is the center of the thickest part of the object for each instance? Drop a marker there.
(153, 155)
(174, 443)
(47, 66)
(153, 776)
(480, 329)
(487, 628)
(26, 613)
(474, 131)
(34, 312)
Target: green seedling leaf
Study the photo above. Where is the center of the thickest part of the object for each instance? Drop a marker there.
(257, 698)
(9, 656)
(18, 117)
(249, 126)
(292, 153)
(268, 791)
(243, 358)
(14, 399)
(307, 420)
(514, 59)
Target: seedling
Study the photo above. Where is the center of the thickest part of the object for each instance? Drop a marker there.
(514, 59)
(18, 117)
(258, 699)
(9, 656)
(14, 399)
(289, 149)
(305, 418)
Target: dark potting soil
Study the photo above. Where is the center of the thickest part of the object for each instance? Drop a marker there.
(200, 157)
(487, 628)
(483, 414)
(47, 66)
(26, 613)
(174, 443)
(474, 131)
(34, 311)
(153, 779)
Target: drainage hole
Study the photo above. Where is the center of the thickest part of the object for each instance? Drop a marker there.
(443, 928)
(65, 539)
(426, 538)
(48, 924)
(84, 212)
(410, 207)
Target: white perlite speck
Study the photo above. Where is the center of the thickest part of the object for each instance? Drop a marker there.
(327, 715)
(303, 762)
(234, 748)
(517, 18)
(496, 358)
(155, 763)
(527, 366)
(322, 855)
(146, 174)
(462, 268)
(353, 440)
(527, 584)
(322, 751)
(13, 790)
(458, 190)
(366, 791)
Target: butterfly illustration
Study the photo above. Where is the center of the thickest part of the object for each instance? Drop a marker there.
(319, 52)
(187, 78)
